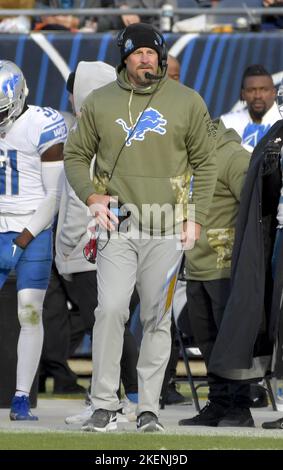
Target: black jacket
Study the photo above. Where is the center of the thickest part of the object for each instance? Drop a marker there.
(247, 319)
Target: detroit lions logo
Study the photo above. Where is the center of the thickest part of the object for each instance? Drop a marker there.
(9, 86)
(148, 121)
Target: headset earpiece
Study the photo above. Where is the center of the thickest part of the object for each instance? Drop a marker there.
(164, 55)
(164, 50)
(120, 37)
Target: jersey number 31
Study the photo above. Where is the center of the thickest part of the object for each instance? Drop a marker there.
(4, 179)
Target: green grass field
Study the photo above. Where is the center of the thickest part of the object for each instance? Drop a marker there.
(78, 441)
(60, 440)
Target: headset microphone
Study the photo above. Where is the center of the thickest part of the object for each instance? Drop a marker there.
(150, 76)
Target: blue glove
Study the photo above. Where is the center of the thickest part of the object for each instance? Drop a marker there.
(10, 254)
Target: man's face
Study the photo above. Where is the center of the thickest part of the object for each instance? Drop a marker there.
(142, 60)
(259, 94)
(173, 68)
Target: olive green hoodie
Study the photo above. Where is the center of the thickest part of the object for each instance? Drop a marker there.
(211, 257)
(152, 162)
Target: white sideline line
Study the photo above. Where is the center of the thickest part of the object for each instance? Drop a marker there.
(179, 45)
(52, 53)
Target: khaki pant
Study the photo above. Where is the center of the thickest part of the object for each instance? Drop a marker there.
(153, 266)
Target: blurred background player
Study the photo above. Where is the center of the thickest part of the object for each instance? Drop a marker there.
(259, 94)
(31, 171)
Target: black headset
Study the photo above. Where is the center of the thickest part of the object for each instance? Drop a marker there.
(159, 38)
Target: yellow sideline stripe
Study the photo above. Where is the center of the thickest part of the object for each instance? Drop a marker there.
(171, 290)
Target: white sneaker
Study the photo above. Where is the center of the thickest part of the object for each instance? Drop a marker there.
(128, 409)
(81, 417)
(127, 413)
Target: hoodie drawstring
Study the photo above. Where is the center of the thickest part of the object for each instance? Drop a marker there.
(129, 107)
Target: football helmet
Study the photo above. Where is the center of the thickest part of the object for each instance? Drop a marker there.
(13, 93)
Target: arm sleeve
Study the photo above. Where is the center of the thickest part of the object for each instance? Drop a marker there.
(236, 171)
(74, 226)
(200, 143)
(52, 174)
(79, 150)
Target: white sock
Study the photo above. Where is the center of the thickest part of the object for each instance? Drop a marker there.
(19, 393)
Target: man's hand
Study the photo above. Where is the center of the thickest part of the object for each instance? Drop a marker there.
(97, 204)
(24, 238)
(10, 254)
(190, 233)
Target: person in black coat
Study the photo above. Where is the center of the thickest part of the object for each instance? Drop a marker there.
(251, 283)
(251, 321)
